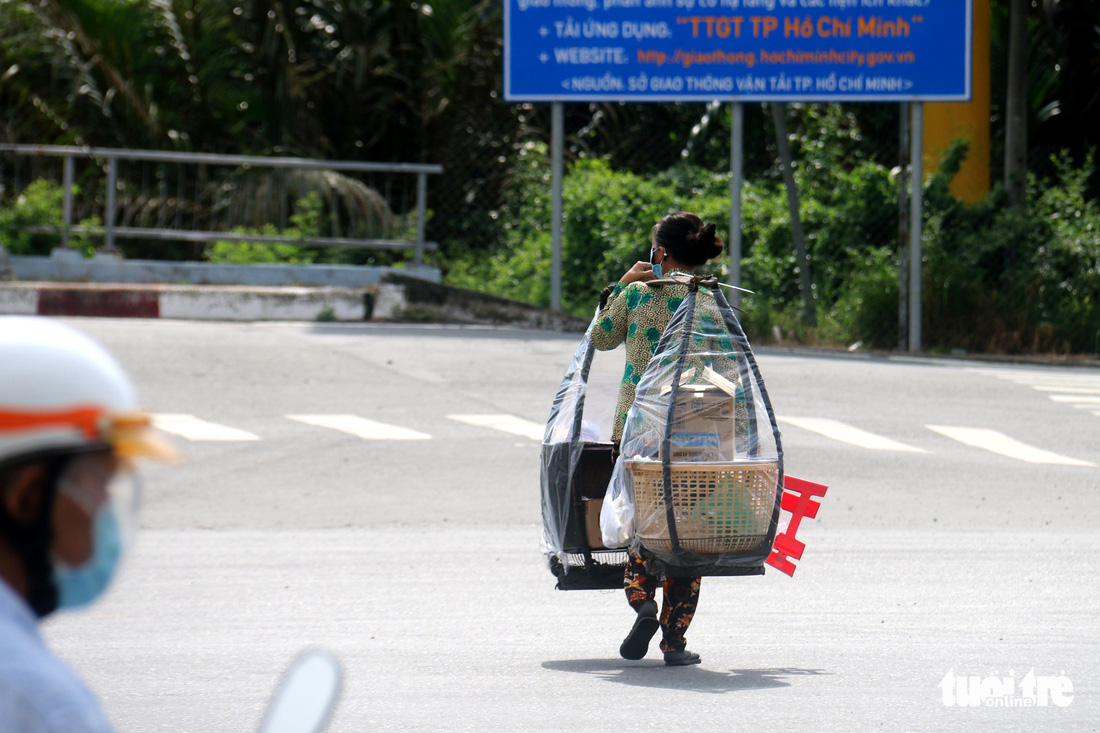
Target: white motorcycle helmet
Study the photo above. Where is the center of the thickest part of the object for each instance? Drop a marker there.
(60, 391)
(63, 401)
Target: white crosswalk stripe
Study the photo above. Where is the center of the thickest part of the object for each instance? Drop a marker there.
(504, 423)
(361, 427)
(848, 434)
(196, 429)
(1040, 376)
(1001, 444)
(1068, 380)
(1047, 381)
(1076, 399)
(1081, 391)
(1067, 390)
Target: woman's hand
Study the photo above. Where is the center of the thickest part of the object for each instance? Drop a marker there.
(641, 271)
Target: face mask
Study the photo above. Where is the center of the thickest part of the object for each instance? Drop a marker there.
(81, 585)
(656, 267)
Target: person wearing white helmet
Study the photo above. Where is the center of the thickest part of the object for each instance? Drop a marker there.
(69, 430)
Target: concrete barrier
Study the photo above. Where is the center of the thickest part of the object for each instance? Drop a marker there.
(67, 284)
(395, 298)
(190, 302)
(402, 298)
(18, 301)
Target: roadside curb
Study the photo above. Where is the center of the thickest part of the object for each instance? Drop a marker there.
(1069, 360)
(397, 298)
(409, 299)
(189, 302)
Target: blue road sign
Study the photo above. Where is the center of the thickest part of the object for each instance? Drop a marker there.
(701, 50)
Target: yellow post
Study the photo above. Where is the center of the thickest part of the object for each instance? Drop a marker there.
(945, 122)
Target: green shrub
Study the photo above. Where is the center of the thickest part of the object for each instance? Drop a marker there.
(1067, 264)
(866, 309)
(39, 205)
(1007, 279)
(995, 278)
(305, 222)
(607, 217)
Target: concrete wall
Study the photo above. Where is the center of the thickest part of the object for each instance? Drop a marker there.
(190, 302)
(253, 304)
(69, 285)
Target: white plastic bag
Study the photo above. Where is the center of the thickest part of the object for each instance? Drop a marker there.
(617, 512)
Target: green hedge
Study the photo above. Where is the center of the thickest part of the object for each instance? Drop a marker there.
(995, 279)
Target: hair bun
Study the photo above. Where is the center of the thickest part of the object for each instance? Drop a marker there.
(687, 238)
(707, 238)
(704, 236)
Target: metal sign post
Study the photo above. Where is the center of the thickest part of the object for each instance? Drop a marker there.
(916, 201)
(737, 161)
(903, 227)
(556, 133)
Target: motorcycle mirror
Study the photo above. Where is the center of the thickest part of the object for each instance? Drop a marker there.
(306, 695)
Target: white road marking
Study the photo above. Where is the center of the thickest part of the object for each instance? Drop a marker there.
(1051, 379)
(1068, 380)
(848, 434)
(1075, 398)
(1066, 390)
(1001, 444)
(504, 423)
(193, 428)
(1081, 391)
(1035, 375)
(361, 427)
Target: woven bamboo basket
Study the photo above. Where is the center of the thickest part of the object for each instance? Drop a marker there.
(719, 508)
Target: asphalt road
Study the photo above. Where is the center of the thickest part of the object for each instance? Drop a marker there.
(417, 560)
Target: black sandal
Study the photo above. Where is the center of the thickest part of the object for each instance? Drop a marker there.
(680, 658)
(636, 643)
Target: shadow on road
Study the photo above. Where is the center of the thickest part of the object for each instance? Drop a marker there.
(695, 678)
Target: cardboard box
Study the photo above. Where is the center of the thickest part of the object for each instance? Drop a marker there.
(702, 429)
(589, 482)
(592, 509)
(703, 421)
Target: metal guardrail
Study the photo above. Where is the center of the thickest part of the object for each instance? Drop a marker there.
(110, 230)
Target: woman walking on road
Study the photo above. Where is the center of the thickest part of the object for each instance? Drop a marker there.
(636, 313)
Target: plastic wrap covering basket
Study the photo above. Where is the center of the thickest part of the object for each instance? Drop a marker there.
(717, 508)
(573, 478)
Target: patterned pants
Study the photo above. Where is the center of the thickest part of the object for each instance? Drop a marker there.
(681, 595)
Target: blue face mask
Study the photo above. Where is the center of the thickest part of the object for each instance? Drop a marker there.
(79, 586)
(656, 267)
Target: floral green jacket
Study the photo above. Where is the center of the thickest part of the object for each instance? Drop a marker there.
(637, 314)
